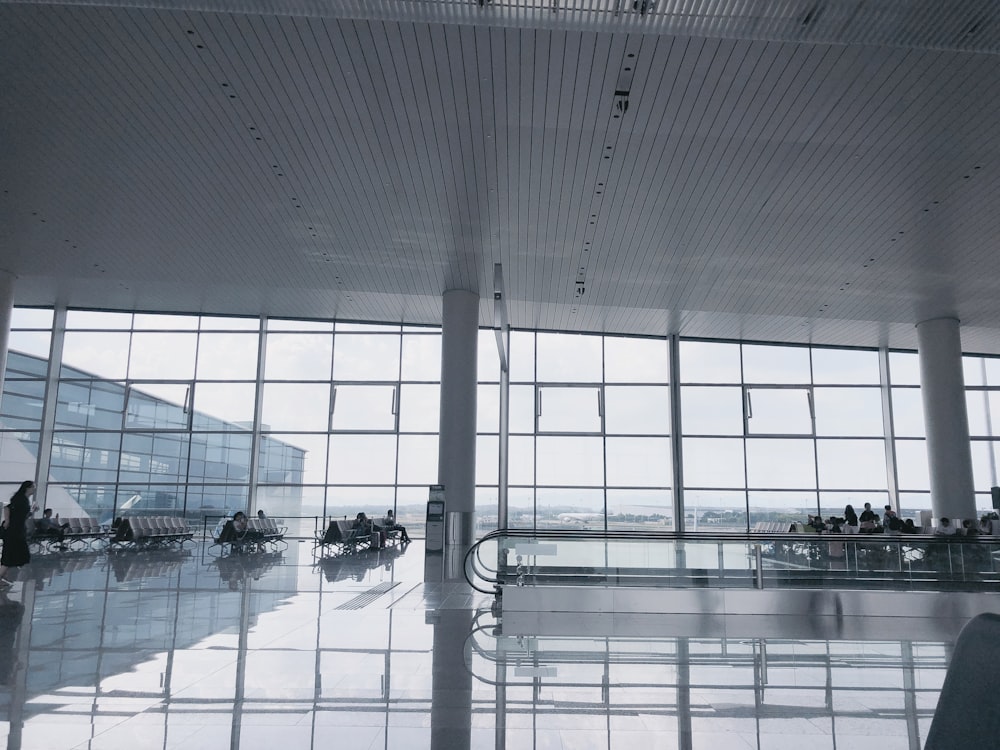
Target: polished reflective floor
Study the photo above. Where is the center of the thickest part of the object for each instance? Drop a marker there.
(180, 649)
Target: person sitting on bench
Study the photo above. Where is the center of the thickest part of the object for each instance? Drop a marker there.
(236, 531)
(389, 523)
(50, 527)
(367, 527)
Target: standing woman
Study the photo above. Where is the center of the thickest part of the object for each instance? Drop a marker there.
(851, 519)
(15, 543)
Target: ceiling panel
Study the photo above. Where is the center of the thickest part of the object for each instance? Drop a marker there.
(836, 184)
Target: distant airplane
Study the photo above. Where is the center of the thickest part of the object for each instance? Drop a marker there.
(580, 518)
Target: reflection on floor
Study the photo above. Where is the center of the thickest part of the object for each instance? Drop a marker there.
(379, 650)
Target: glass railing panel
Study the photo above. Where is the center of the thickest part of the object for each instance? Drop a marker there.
(540, 558)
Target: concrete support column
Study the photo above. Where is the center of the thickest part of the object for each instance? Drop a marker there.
(457, 442)
(946, 420)
(6, 314)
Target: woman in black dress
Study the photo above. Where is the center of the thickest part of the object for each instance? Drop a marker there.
(851, 518)
(15, 543)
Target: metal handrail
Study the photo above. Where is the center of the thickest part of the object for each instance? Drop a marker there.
(488, 577)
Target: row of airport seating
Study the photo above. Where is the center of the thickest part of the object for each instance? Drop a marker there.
(340, 536)
(262, 535)
(79, 533)
(82, 533)
(770, 527)
(150, 531)
(269, 528)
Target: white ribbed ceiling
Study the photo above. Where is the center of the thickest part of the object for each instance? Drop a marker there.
(807, 171)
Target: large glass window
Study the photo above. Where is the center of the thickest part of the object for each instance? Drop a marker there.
(158, 406)
(589, 415)
(24, 392)
(634, 360)
(162, 356)
(781, 423)
(848, 411)
(153, 415)
(298, 356)
(227, 356)
(569, 358)
(421, 357)
(163, 410)
(907, 412)
(575, 461)
(364, 407)
(911, 465)
(779, 411)
(851, 464)
(103, 354)
(776, 364)
(224, 406)
(569, 409)
(418, 460)
(714, 462)
(296, 407)
(982, 380)
(636, 410)
(780, 506)
(363, 459)
(93, 404)
(707, 410)
(366, 357)
(638, 462)
(710, 362)
(845, 367)
(290, 458)
(420, 408)
(781, 464)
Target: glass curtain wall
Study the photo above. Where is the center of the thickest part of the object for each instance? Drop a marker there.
(777, 433)
(909, 439)
(982, 383)
(589, 432)
(154, 414)
(162, 413)
(196, 415)
(24, 393)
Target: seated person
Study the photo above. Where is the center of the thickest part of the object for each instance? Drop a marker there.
(242, 527)
(969, 529)
(389, 523)
(366, 526)
(893, 523)
(909, 527)
(237, 530)
(51, 527)
(944, 527)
